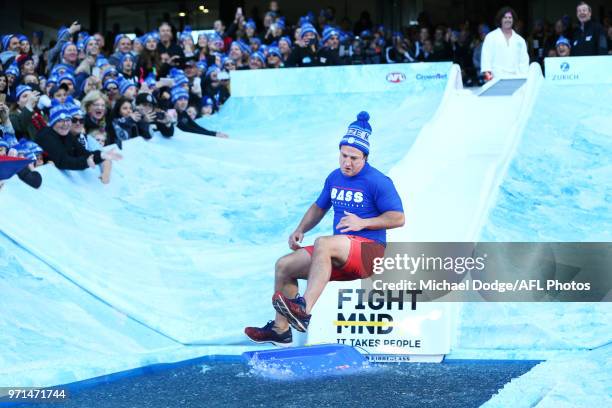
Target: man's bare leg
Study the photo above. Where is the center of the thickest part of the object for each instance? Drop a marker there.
(328, 251)
(288, 270)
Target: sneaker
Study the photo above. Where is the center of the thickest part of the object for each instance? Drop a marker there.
(294, 310)
(267, 334)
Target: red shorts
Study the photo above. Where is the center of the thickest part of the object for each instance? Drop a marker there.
(360, 259)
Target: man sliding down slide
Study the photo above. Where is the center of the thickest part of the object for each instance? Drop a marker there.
(366, 204)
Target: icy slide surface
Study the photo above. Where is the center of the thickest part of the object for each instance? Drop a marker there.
(179, 249)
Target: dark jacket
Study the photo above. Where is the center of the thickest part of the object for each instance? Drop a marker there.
(302, 57)
(326, 56)
(186, 124)
(589, 40)
(23, 125)
(65, 151)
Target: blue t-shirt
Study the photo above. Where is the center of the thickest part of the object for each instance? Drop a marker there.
(367, 195)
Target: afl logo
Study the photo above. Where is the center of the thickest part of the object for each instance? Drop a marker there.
(396, 77)
(565, 66)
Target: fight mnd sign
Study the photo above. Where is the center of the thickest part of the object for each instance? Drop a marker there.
(578, 70)
(388, 325)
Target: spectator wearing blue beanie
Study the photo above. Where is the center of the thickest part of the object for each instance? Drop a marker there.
(128, 89)
(207, 106)
(68, 79)
(127, 66)
(180, 99)
(329, 53)
(65, 151)
(25, 110)
(257, 60)
(304, 54)
(275, 58)
(563, 47)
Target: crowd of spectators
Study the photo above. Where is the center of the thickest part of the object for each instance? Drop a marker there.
(63, 103)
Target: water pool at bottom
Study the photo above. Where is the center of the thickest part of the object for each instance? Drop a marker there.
(232, 383)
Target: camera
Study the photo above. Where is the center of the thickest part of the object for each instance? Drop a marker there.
(160, 115)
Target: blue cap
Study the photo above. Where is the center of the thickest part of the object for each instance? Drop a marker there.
(176, 72)
(109, 71)
(358, 133)
(286, 39)
(564, 41)
(250, 24)
(124, 57)
(67, 76)
(274, 51)
(109, 82)
(329, 34)
(58, 112)
(307, 28)
(60, 69)
(101, 61)
(21, 89)
(118, 38)
(150, 80)
(180, 80)
(260, 56)
(13, 70)
(202, 65)
(6, 41)
(125, 85)
(207, 101)
(178, 93)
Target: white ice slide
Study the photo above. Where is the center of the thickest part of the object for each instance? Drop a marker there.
(451, 175)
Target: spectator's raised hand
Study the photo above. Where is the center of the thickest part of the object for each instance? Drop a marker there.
(136, 116)
(75, 27)
(32, 100)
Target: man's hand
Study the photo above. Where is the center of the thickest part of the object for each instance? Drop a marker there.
(295, 239)
(350, 222)
(222, 135)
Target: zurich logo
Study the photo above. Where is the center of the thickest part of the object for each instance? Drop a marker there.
(565, 66)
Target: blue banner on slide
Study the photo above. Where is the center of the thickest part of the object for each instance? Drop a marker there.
(341, 79)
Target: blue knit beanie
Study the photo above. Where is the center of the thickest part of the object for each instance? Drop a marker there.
(109, 82)
(21, 89)
(307, 28)
(563, 40)
(177, 93)
(329, 34)
(125, 85)
(58, 112)
(13, 70)
(358, 133)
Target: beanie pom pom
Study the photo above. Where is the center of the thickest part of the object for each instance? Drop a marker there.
(363, 116)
